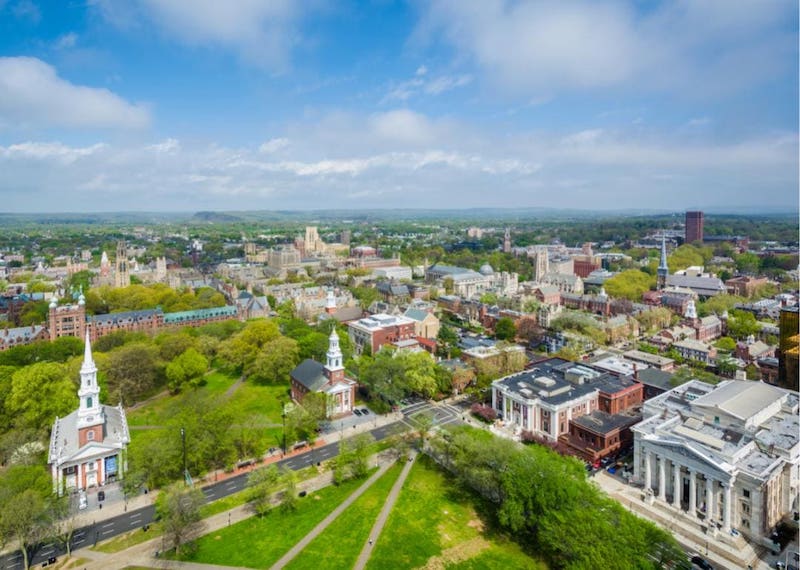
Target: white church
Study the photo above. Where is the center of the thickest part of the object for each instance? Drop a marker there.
(87, 447)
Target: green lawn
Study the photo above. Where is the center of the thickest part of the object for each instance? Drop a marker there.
(350, 531)
(433, 518)
(259, 542)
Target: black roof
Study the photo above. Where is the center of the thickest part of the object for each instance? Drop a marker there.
(604, 423)
(310, 374)
(655, 377)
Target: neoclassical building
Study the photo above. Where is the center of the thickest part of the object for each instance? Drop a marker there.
(87, 447)
(727, 454)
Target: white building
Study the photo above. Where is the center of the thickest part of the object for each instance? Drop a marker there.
(87, 447)
(727, 454)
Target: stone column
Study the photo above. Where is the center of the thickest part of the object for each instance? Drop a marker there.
(648, 470)
(662, 478)
(637, 454)
(676, 485)
(726, 508)
(709, 499)
(692, 493)
(494, 398)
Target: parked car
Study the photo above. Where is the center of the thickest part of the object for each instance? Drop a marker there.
(356, 411)
(365, 411)
(702, 563)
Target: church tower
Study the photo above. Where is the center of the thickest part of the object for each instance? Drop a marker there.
(330, 304)
(334, 371)
(90, 412)
(122, 276)
(663, 268)
(507, 241)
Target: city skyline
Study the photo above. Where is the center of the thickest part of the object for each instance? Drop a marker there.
(160, 105)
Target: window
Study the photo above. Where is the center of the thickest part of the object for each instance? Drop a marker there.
(746, 493)
(88, 402)
(90, 435)
(716, 419)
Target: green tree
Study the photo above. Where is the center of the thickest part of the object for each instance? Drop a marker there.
(446, 340)
(505, 329)
(742, 324)
(131, 371)
(261, 485)
(274, 361)
(189, 368)
(39, 393)
(726, 343)
(24, 520)
(630, 284)
(179, 508)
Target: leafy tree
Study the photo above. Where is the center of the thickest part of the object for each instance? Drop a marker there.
(242, 348)
(131, 371)
(351, 463)
(39, 393)
(654, 319)
(685, 256)
(261, 485)
(446, 340)
(179, 509)
(289, 496)
(726, 343)
(489, 299)
(718, 304)
(274, 362)
(420, 373)
(24, 520)
(172, 344)
(505, 329)
(189, 367)
(630, 284)
(742, 324)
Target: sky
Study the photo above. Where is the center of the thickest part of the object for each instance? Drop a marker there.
(186, 105)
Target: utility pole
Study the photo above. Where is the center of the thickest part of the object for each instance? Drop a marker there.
(283, 416)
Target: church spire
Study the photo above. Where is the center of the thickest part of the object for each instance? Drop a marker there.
(334, 354)
(663, 268)
(90, 412)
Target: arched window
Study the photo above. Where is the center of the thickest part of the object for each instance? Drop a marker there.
(88, 402)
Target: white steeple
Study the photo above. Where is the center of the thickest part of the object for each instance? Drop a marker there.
(691, 310)
(90, 412)
(603, 294)
(334, 354)
(330, 303)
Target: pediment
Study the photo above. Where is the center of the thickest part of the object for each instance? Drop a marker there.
(681, 451)
(91, 451)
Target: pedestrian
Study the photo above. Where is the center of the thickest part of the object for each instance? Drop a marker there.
(370, 542)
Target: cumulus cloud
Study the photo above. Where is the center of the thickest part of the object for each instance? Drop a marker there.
(705, 46)
(382, 163)
(32, 94)
(260, 32)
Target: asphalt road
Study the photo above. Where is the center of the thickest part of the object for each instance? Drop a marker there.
(111, 527)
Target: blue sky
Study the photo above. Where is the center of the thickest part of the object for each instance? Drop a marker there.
(110, 105)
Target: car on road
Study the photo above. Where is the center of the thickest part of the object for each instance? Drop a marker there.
(365, 411)
(702, 563)
(356, 411)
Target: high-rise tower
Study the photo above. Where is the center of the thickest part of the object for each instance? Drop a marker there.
(694, 226)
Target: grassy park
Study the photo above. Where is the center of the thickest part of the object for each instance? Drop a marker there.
(260, 541)
(437, 524)
(349, 531)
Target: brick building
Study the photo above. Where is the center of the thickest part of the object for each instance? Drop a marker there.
(377, 330)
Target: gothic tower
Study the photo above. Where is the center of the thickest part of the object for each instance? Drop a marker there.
(507, 241)
(122, 276)
(663, 268)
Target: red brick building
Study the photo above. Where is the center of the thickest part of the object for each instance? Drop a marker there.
(377, 330)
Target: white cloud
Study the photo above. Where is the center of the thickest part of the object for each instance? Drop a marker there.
(261, 32)
(274, 145)
(422, 82)
(697, 47)
(405, 159)
(66, 41)
(32, 94)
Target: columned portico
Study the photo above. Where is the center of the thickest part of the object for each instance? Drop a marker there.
(726, 507)
(662, 478)
(676, 485)
(692, 492)
(709, 499)
(648, 473)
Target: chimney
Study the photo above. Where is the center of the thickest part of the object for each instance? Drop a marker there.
(635, 371)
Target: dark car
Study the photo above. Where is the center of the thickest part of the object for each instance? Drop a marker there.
(701, 562)
(365, 411)
(357, 412)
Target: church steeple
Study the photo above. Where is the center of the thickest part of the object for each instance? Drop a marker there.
(90, 412)
(330, 303)
(663, 268)
(334, 370)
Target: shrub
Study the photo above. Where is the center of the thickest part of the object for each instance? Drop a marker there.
(484, 413)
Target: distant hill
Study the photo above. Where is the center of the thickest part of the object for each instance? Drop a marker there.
(220, 217)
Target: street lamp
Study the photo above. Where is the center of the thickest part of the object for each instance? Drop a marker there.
(283, 416)
(185, 471)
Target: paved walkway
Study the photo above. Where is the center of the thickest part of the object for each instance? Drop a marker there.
(297, 548)
(377, 528)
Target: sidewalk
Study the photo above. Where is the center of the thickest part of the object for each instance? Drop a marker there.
(143, 554)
